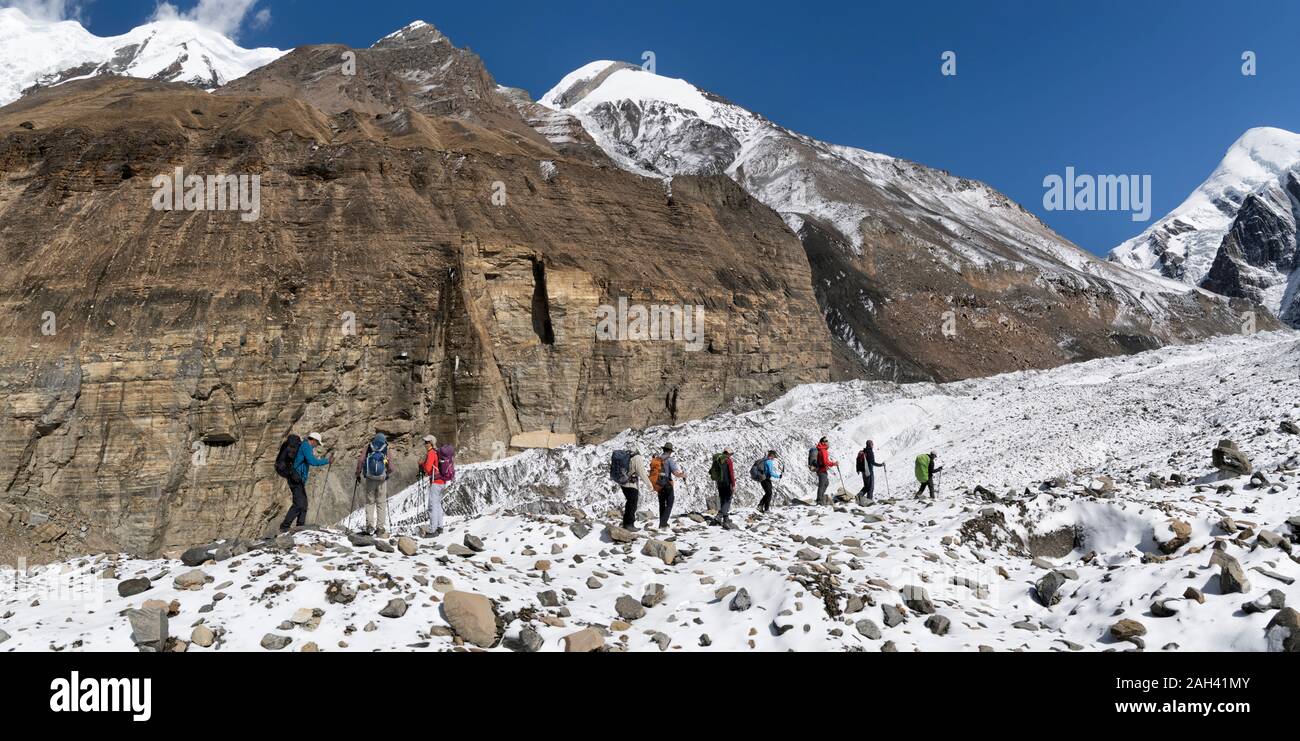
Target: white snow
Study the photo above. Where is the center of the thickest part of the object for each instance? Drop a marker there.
(1125, 418)
(35, 51)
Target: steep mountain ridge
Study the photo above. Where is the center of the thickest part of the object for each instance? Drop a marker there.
(906, 258)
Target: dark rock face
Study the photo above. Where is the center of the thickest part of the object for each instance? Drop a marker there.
(380, 287)
(1259, 252)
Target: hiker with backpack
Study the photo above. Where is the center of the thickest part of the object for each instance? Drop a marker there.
(925, 471)
(627, 470)
(304, 459)
(764, 471)
(867, 466)
(434, 485)
(373, 471)
(663, 469)
(820, 463)
(723, 472)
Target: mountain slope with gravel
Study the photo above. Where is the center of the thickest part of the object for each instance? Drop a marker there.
(1078, 511)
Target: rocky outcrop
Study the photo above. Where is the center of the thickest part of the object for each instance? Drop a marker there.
(1259, 252)
(414, 267)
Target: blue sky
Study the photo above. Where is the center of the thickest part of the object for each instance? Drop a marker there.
(1107, 86)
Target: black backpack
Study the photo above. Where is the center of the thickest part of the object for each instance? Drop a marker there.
(862, 461)
(285, 460)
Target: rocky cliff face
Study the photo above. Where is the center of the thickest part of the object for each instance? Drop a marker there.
(919, 274)
(420, 262)
(1258, 256)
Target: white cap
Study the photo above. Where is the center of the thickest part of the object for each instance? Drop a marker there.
(316, 436)
(430, 439)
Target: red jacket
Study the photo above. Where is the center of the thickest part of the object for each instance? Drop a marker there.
(429, 467)
(824, 462)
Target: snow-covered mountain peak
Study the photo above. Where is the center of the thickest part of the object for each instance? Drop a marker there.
(1183, 244)
(41, 53)
(415, 32)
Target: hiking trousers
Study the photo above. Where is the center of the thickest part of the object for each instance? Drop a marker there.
(868, 486)
(823, 483)
(765, 504)
(629, 509)
(725, 492)
(434, 494)
(298, 510)
(926, 485)
(665, 504)
(376, 504)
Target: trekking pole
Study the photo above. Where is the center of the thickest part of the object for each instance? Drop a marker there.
(889, 490)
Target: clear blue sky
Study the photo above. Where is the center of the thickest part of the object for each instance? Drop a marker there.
(1108, 86)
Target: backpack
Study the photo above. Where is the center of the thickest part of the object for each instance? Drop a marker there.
(287, 456)
(758, 471)
(447, 463)
(376, 465)
(715, 471)
(862, 461)
(814, 460)
(923, 468)
(620, 467)
(656, 471)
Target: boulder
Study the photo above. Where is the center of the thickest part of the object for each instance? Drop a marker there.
(619, 535)
(1127, 630)
(474, 543)
(893, 615)
(548, 598)
(472, 617)
(938, 624)
(408, 546)
(868, 629)
(395, 608)
(917, 600)
(148, 629)
(654, 594)
(1283, 631)
(584, 641)
(202, 636)
(1048, 588)
(1227, 457)
(663, 550)
(190, 581)
(1274, 600)
(1182, 535)
(529, 642)
(741, 602)
(629, 608)
(1231, 576)
(1166, 608)
(132, 587)
(273, 642)
(456, 549)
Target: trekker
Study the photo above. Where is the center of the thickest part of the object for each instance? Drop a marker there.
(925, 471)
(303, 461)
(373, 471)
(434, 485)
(723, 472)
(765, 471)
(627, 470)
(663, 469)
(867, 466)
(821, 464)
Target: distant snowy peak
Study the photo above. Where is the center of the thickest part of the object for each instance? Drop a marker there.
(41, 53)
(1184, 244)
(416, 32)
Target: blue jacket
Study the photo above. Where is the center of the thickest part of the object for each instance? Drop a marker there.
(305, 460)
(770, 467)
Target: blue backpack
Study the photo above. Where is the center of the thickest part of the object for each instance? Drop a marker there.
(376, 468)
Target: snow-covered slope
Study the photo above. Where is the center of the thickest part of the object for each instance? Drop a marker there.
(1183, 245)
(889, 239)
(1085, 476)
(41, 53)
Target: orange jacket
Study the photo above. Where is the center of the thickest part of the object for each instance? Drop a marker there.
(429, 467)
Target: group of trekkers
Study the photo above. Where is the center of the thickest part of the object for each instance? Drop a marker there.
(373, 470)
(628, 470)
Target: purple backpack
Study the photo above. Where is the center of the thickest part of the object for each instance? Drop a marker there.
(447, 463)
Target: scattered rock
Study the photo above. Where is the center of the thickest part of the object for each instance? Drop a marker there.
(663, 550)
(474, 543)
(584, 641)
(1231, 576)
(1127, 629)
(654, 594)
(132, 587)
(273, 642)
(1182, 535)
(1283, 632)
(395, 608)
(472, 617)
(1048, 588)
(1227, 457)
(202, 636)
(190, 581)
(1274, 600)
(408, 546)
(529, 641)
(917, 600)
(893, 615)
(868, 629)
(148, 629)
(741, 602)
(619, 535)
(1166, 608)
(938, 624)
(629, 608)
(339, 592)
